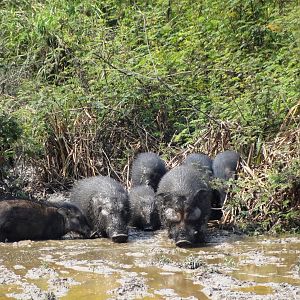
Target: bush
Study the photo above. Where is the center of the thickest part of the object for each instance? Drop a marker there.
(10, 132)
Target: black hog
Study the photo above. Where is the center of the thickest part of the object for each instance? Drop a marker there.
(216, 212)
(144, 212)
(147, 169)
(26, 219)
(224, 167)
(201, 162)
(184, 201)
(105, 203)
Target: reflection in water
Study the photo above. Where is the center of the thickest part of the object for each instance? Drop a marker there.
(148, 267)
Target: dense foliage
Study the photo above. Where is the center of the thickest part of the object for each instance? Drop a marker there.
(91, 83)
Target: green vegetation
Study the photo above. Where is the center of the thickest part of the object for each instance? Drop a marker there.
(10, 132)
(91, 83)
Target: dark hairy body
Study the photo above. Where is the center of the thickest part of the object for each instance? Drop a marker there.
(201, 162)
(144, 211)
(105, 203)
(27, 219)
(224, 166)
(147, 169)
(185, 204)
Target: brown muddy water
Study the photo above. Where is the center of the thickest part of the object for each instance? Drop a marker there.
(149, 266)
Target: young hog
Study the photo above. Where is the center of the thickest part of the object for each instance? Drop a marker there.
(184, 201)
(31, 220)
(144, 212)
(147, 168)
(105, 203)
(224, 167)
(201, 162)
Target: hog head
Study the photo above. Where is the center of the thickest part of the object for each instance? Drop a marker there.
(113, 216)
(144, 212)
(74, 219)
(186, 216)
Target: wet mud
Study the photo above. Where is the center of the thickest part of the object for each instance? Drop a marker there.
(149, 266)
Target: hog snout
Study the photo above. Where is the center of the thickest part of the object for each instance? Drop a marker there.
(118, 234)
(183, 243)
(119, 238)
(148, 227)
(184, 238)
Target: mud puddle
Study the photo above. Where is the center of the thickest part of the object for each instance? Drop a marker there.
(149, 266)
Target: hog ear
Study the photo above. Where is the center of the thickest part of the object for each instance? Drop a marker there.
(161, 198)
(63, 211)
(203, 194)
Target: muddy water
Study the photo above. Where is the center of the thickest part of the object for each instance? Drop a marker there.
(149, 266)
